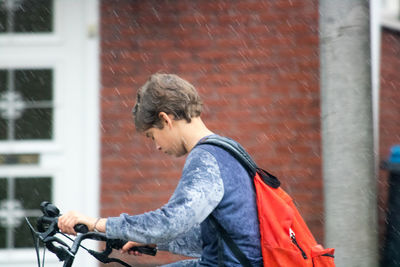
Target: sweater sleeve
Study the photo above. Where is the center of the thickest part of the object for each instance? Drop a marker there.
(190, 244)
(199, 191)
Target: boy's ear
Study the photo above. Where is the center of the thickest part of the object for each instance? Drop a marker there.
(166, 119)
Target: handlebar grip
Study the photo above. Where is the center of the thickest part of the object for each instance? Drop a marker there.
(81, 228)
(118, 244)
(145, 250)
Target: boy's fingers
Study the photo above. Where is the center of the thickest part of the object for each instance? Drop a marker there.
(129, 245)
(136, 253)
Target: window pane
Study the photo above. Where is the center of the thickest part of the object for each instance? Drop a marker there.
(22, 234)
(3, 188)
(3, 129)
(30, 192)
(34, 85)
(33, 191)
(3, 80)
(36, 123)
(34, 16)
(3, 17)
(3, 237)
(26, 108)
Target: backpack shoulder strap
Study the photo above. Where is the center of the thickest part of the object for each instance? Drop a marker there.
(240, 154)
(244, 261)
(235, 149)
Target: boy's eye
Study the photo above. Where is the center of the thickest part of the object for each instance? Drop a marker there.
(149, 136)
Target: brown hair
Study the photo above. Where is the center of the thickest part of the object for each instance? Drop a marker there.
(165, 93)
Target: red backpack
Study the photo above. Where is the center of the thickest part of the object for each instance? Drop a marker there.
(285, 238)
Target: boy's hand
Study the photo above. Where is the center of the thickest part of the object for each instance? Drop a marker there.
(131, 244)
(66, 222)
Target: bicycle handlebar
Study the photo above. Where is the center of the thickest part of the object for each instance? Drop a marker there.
(47, 229)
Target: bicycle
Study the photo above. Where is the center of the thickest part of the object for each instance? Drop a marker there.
(47, 230)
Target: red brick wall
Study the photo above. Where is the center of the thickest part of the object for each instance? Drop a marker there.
(389, 127)
(389, 92)
(255, 64)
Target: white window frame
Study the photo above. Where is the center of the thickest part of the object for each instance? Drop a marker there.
(79, 71)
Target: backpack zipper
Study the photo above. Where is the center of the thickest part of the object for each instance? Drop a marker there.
(294, 241)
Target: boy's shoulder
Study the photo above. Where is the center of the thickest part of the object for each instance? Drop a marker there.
(205, 150)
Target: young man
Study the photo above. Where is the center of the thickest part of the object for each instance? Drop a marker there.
(168, 111)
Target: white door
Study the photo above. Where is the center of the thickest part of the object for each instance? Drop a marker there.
(49, 137)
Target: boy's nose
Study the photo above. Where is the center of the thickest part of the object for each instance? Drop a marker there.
(158, 147)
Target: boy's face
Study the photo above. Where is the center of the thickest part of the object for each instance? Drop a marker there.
(167, 140)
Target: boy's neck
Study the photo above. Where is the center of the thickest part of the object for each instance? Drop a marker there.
(192, 132)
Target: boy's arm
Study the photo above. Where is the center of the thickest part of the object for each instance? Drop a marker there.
(198, 193)
(188, 245)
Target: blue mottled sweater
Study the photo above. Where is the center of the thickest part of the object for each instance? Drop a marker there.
(212, 182)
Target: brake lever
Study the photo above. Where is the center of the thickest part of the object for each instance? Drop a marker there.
(48, 238)
(118, 244)
(48, 235)
(55, 239)
(103, 256)
(61, 252)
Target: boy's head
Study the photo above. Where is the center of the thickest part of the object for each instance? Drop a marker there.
(165, 93)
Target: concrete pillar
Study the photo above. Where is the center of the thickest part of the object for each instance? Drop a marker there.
(347, 132)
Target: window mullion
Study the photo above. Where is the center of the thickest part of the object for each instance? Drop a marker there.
(39, 104)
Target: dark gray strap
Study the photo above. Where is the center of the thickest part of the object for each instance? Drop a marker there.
(220, 251)
(240, 154)
(244, 261)
(235, 149)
